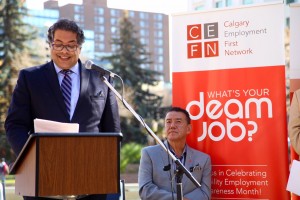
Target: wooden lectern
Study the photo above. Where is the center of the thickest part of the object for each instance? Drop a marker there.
(68, 164)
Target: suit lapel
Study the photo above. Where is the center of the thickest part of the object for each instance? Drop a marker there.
(84, 82)
(164, 155)
(188, 164)
(52, 79)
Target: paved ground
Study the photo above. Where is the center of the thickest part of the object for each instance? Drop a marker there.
(131, 192)
(131, 186)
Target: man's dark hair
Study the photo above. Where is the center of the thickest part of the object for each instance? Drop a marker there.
(178, 109)
(66, 25)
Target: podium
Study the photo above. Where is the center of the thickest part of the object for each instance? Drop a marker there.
(68, 164)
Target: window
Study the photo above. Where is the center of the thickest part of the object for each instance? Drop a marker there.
(113, 30)
(113, 21)
(218, 4)
(131, 14)
(99, 37)
(99, 11)
(78, 9)
(114, 47)
(145, 41)
(245, 2)
(144, 33)
(228, 3)
(89, 34)
(290, 1)
(99, 20)
(158, 50)
(115, 13)
(159, 59)
(100, 46)
(145, 66)
(79, 18)
(144, 23)
(158, 42)
(158, 25)
(158, 34)
(99, 29)
(201, 7)
(158, 17)
(144, 15)
(159, 67)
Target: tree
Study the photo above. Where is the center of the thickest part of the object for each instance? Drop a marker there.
(131, 61)
(13, 37)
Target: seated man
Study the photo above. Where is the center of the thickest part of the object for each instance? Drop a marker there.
(156, 171)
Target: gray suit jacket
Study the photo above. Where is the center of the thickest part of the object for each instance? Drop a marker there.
(38, 95)
(155, 183)
(294, 122)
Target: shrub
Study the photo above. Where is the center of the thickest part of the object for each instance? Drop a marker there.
(130, 153)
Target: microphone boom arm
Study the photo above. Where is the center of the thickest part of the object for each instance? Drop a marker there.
(138, 117)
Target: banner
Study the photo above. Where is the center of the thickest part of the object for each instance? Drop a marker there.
(229, 73)
(294, 62)
(294, 47)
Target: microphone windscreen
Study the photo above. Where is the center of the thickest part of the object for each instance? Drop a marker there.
(88, 64)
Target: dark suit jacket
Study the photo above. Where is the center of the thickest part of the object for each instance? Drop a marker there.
(37, 95)
(155, 182)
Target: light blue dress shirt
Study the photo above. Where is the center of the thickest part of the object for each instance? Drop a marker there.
(75, 76)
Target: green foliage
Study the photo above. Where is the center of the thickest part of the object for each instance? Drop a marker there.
(130, 153)
(13, 37)
(131, 61)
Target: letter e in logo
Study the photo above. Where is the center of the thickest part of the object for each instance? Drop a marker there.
(211, 30)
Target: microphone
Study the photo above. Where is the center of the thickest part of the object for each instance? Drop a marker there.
(167, 167)
(90, 65)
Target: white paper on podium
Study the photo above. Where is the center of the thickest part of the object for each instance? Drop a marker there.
(293, 184)
(47, 126)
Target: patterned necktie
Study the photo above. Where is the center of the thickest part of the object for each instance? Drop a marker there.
(66, 88)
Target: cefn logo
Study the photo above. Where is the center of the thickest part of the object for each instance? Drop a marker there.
(201, 40)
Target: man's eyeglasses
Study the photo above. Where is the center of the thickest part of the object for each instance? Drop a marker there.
(60, 47)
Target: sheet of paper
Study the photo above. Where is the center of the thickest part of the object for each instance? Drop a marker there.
(47, 126)
(293, 184)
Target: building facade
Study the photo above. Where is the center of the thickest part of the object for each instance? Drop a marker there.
(101, 24)
(209, 4)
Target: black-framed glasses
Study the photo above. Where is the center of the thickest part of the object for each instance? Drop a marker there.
(60, 47)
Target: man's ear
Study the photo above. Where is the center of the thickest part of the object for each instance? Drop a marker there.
(189, 128)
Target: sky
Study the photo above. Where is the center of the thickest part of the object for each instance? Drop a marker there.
(158, 6)
(39, 4)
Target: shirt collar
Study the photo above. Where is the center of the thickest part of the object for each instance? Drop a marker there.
(74, 69)
(183, 153)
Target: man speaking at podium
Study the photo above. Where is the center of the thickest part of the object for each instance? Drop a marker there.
(61, 90)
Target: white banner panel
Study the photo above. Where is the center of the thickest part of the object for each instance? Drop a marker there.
(229, 74)
(295, 41)
(206, 41)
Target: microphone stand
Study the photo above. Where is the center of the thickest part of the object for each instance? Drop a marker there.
(179, 175)
(180, 167)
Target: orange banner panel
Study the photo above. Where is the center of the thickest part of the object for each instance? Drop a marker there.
(239, 118)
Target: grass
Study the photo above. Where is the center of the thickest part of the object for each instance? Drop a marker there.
(10, 180)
